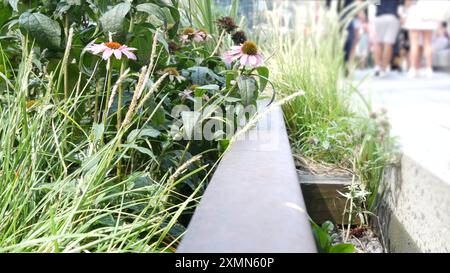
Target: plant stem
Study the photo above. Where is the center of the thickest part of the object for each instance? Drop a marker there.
(97, 95)
(108, 91)
(218, 43)
(123, 66)
(66, 69)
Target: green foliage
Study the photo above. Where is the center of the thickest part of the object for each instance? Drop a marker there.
(89, 159)
(323, 125)
(325, 236)
(113, 21)
(247, 89)
(45, 31)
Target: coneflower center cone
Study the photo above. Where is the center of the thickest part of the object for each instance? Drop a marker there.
(171, 71)
(189, 31)
(250, 48)
(113, 45)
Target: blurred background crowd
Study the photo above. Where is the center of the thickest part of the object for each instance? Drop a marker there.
(408, 36)
(404, 35)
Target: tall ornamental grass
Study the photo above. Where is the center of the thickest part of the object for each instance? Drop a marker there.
(306, 53)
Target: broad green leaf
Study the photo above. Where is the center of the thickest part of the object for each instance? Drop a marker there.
(164, 3)
(223, 145)
(44, 30)
(113, 20)
(321, 237)
(5, 15)
(97, 132)
(140, 149)
(342, 248)
(247, 89)
(212, 87)
(263, 77)
(229, 77)
(153, 11)
(201, 75)
(328, 226)
(139, 133)
(159, 117)
(230, 99)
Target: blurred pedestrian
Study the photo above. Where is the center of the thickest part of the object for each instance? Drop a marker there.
(352, 34)
(363, 46)
(421, 26)
(387, 27)
(441, 38)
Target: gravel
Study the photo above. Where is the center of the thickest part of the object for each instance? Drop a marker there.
(364, 240)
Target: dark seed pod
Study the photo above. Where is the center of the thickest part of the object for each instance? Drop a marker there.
(226, 23)
(239, 37)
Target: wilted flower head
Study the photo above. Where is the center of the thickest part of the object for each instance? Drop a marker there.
(109, 48)
(187, 93)
(202, 36)
(173, 47)
(173, 73)
(226, 23)
(190, 34)
(247, 54)
(239, 37)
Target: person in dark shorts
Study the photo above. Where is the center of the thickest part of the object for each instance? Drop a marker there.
(351, 33)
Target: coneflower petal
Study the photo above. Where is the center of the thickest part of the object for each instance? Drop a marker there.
(117, 54)
(253, 60)
(107, 53)
(124, 47)
(244, 59)
(129, 54)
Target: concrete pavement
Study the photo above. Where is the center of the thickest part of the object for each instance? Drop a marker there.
(419, 111)
(414, 213)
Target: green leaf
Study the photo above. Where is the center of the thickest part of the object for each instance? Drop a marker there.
(97, 132)
(322, 239)
(223, 145)
(247, 89)
(200, 75)
(139, 133)
(113, 20)
(211, 87)
(342, 248)
(45, 31)
(139, 149)
(74, 2)
(263, 77)
(229, 77)
(164, 3)
(231, 99)
(153, 11)
(328, 226)
(13, 4)
(5, 15)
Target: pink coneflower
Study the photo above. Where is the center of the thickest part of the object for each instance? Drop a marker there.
(247, 54)
(109, 48)
(202, 36)
(190, 34)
